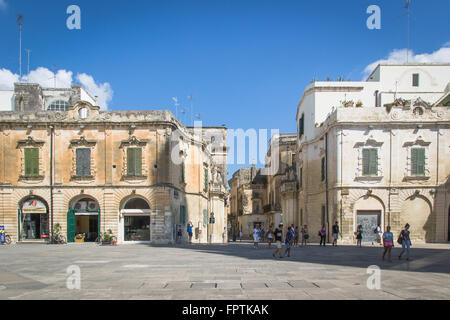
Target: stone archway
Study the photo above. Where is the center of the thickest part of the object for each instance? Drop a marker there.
(416, 211)
(33, 218)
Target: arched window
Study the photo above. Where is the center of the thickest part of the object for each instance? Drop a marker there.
(58, 105)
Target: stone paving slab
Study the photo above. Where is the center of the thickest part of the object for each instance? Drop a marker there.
(233, 272)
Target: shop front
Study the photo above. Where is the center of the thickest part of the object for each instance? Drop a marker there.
(33, 218)
(83, 221)
(134, 226)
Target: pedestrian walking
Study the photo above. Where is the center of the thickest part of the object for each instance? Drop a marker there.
(189, 231)
(359, 235)
(323, 235)
(288, 242)
(405, 240)
(279, 238)
(256, 234)
(335, 234)
(388, 242)
(270, 237)
(240, 236)
(305, 235)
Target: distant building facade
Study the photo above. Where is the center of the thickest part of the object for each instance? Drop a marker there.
(140, 174)
(368, 153)
(32, 97)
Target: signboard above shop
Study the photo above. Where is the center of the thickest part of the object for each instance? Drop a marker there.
(34, 206)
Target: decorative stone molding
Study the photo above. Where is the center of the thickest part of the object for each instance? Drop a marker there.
(130, 143)
(30, 143)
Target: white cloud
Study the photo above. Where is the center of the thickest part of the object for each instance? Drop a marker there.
(3, 4)
(7, 79)
(399, 56)
(102, 90)
(64, 79)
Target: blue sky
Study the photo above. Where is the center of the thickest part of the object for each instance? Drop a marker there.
(246, 62)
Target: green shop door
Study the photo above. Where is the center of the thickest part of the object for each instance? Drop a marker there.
(71, 226)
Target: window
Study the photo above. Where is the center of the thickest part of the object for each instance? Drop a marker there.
(415, 80)
(31, 162)
(83, 162)
(418, 161)
(370, 162)
(300, 176)
(183, 179)
(183, 215)
(323, 169)
(294, 164)
(58, 105)
(134, 162)
(301, 126)
(206, 179)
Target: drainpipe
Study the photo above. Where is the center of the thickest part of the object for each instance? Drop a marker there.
(52, 132)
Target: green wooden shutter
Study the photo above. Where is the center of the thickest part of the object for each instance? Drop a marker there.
(418, 161)
(35, 161)
(19, 219)
(131, 161)
(206, 179)
(28, 168)
(71, 226)
(31, 162)
(373, 163)
(138, 161)
(366, 161)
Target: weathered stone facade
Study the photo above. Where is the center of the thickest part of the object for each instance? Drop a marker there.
(180, 179)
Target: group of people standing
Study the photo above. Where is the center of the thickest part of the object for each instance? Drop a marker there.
(292, 238)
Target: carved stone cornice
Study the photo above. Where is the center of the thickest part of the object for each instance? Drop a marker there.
(133, 141)
(30, 142)
(82, 142)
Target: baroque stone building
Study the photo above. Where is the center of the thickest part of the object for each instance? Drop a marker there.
(139, 174)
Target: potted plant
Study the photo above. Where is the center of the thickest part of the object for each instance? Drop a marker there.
(108, 238)
(359, 104)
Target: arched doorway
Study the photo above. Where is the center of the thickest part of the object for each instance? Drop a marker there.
(369, 213)
(135, 220)
(33, 219)
(83, 220)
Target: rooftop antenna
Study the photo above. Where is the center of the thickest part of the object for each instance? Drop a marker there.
(408, 14)
(175, 100)
(191, 98)
(20, 23)
(183, 112)
(54, 76)
(28, 67)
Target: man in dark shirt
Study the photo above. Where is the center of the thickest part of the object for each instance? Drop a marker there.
(279, 240)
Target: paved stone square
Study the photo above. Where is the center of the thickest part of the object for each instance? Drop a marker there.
(233, 272)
